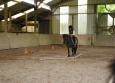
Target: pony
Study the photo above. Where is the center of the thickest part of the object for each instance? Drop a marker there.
(112, 68)
(70, 42)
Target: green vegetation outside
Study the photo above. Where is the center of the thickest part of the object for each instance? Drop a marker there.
(110, 8)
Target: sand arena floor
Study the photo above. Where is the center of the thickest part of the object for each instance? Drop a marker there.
(45, 65)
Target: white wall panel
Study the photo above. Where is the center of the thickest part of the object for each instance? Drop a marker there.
(73, 9)
(75, 23)
(56, 10)
(82, 23)
(90, 19)
(90, 24)
(90, 9)
(64, 23)
(56, 24)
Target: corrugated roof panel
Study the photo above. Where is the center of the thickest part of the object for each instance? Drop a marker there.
(19, 7)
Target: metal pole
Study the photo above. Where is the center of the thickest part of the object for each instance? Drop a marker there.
(10, 22)
(35, 19)
(35, 15)
(72, 20)
(26, 20)
(5, 17)
(50, 23)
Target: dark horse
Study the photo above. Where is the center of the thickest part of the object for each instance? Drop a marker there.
(70, 42)
(112, 68)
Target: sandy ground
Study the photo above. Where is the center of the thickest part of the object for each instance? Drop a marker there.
(45, 65)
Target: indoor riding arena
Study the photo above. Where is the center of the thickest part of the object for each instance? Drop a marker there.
(32, 47)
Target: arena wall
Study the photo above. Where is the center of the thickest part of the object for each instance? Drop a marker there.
(18, 40)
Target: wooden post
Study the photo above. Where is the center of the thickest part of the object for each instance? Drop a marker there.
(26, 21)
(35, 19)
(50, 23)
(5, 17)
(10, 22)
(35, 14)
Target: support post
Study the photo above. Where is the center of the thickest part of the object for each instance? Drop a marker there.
(35, 14)
(10, 22)
(35, 19)
(50, 23)
(26, 20)
(5, 17)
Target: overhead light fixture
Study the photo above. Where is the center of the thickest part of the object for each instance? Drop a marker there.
(10, 3)
(19, 0)
(27, 1)
(47, 1)
(2, 6)
(38, 3)
(42, 5)
(8, 19)
(30, 10)
(18, 15)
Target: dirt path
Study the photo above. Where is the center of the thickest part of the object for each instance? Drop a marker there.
(43, 65)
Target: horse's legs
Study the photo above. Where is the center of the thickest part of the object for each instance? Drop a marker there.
(68, 52)
(75, 50)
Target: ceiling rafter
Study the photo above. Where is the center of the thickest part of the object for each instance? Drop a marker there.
(27, 6)
(46, 13)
